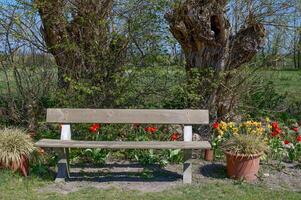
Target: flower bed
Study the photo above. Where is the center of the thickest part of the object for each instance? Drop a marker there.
(284, 141)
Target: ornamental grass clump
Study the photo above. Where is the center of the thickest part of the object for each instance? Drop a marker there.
(14, 146)
(247, 145)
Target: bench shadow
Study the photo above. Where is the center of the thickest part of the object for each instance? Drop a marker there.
(213, 170)
(106, 173)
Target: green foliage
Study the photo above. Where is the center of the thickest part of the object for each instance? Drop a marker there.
(152, 87)
(276, 151)
(97, 156)
(117, 132)
(200, 86)
(262, 96)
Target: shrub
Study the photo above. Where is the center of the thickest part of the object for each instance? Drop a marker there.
(261, 99)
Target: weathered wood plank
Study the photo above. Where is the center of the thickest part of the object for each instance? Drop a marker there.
(51, 143)
(143, 116)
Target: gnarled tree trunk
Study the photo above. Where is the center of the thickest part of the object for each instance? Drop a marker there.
(203, 31)
(76, 33)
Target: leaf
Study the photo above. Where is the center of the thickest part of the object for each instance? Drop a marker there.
(174, 153)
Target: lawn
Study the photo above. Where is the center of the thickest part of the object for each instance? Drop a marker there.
(286, 82)
(15, 187)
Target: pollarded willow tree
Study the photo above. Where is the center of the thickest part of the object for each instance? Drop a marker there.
(204, 33)
(78, 35)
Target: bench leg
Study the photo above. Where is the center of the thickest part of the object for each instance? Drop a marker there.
(63, 166)
(187, 167)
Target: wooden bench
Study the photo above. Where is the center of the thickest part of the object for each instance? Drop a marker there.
(125, 116)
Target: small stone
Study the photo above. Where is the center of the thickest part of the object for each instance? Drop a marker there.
(266, 175)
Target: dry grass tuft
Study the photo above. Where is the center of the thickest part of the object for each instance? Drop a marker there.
(14, 143)
(245, 145)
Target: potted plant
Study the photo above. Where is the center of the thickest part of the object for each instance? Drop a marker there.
(243, 155)
(16, 148)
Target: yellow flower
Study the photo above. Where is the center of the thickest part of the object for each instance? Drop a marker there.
(220, 132)
(257, 124)
(267, 119)
(231, 124)
(223, 126)
(266, 140)
(247, 123)
(260, 130)
(248, 129)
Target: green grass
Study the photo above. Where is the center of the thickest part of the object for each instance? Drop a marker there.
(16, 187)
(286, 82)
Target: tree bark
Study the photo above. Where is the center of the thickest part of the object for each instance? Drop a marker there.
(76, 33)
(203, 31)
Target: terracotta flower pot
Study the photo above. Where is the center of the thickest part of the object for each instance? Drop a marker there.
(209, 154)
(242, 166)
(23, 167)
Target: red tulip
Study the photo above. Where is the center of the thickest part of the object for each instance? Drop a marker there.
(277, 130)
(286, 142)
(175, 136)
(275, 125)
(274, 134)
(151, 129)
(215, 125)
(299, 138)
(96, 125)
(296, 129)
(94, 128)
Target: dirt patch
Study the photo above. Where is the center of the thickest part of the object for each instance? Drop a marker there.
(287, 178)
(131, 176)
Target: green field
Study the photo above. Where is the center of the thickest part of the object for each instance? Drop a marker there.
(287, 82)
(14, 187)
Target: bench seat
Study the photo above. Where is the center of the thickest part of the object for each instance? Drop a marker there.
(66, 116)
(51, 143)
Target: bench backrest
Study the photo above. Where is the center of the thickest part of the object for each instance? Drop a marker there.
(128, 116)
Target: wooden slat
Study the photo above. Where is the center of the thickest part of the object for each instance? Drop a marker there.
(50, 143)
(143, 116)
